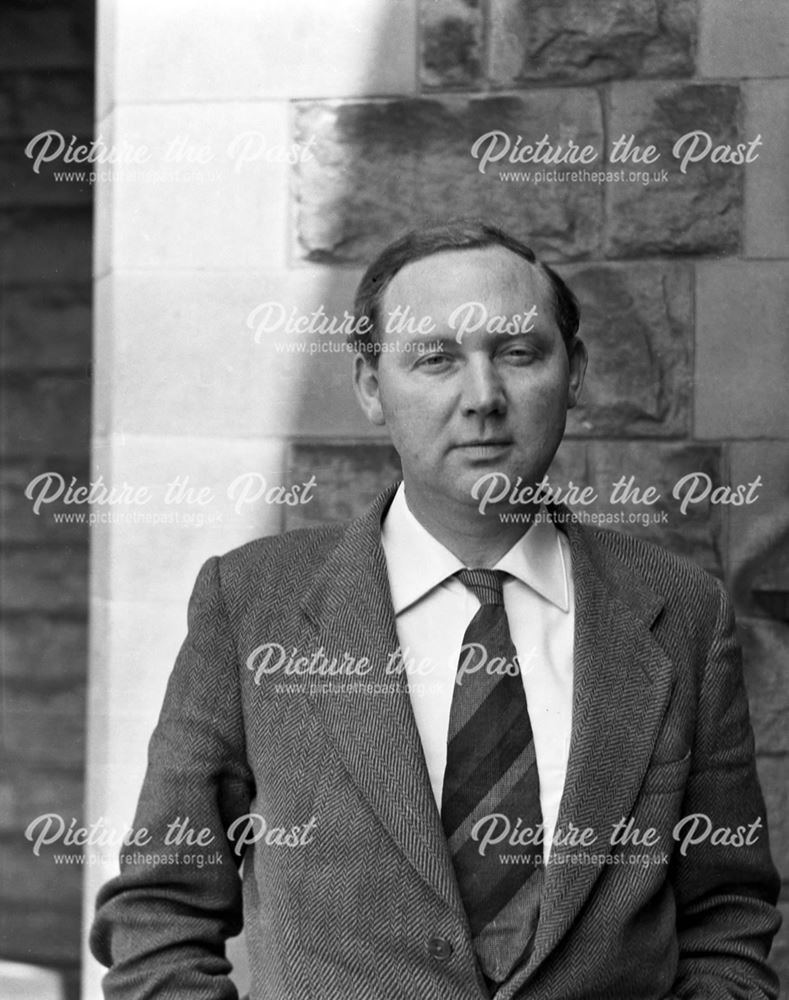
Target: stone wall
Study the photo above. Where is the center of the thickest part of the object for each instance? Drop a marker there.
(683, 284)
(46, 82)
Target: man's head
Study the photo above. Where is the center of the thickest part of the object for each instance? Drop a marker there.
(477, 363)
(461, 234)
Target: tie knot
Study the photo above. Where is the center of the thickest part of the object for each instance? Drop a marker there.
(485, 584)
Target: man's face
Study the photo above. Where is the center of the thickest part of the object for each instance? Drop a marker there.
(461, 402)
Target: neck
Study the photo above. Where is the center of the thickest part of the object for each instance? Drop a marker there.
(478, 540)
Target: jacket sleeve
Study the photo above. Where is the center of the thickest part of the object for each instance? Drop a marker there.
(725, 892)
(161, 925)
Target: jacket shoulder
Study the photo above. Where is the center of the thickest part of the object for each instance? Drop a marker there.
(288, 559)
(682, 583)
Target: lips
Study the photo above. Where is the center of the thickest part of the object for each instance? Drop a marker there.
(485, 443)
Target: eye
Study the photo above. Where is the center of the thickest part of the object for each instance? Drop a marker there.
(433, 360)
(519, 353)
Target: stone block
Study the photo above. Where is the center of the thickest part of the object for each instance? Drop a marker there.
(133, 648)
(27, 878)
(60, 37)
(696, 212)
(766, 179)
(47, 934)
(179, 500)
(758, 532)
(349, 477)
(44, 727)
(572, 42)
(765, 647)
(46, 415)
(45, 579)
(19, 519)
(602, 464)
(381, 168)
(46, 245)
(772, 775)
(34, 792)
(452, 43)
(46, 326)
(637, 322)
(40, 102)
(298, 50)
(743, 40)
(44, 650)
(23, 186)
(742, 365)
(200, 186)
(192, 353)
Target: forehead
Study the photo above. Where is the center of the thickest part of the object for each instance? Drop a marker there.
(438, 284)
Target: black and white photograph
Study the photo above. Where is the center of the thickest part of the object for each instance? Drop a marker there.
(394, 500)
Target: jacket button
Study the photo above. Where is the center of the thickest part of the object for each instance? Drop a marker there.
(439, 948)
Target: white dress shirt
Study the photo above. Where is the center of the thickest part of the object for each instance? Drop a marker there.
(433, 609)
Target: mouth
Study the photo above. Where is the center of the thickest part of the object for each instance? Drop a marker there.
(485, 447)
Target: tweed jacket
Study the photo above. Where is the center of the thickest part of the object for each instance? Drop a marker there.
(318, 785)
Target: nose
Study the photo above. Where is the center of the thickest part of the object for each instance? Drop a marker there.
(483, 390)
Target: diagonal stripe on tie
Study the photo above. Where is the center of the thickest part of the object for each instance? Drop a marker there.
(491, 777)
(490, 884)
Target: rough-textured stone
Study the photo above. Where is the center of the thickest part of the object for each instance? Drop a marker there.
(42, 650)
(348, 477)
(44, 728)
(451, 42)
(45, 579)
(46, 327)
(46, 245)
(383, 167)
(38, 102)
(765, 647)
(742, 364)
(766, 179)
(743, 39)
(759, 531)
(45, 415)
(698, 211)
(574, 41)
(772, 774)
(637, 322)
(600, 464)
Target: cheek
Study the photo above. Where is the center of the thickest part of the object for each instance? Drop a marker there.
(542, 397)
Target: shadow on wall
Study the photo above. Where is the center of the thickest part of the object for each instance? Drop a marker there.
(46, 83)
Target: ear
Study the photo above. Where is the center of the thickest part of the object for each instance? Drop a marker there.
(578, 359)
(368, 392)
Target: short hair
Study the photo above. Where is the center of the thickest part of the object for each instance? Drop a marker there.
(457, 234)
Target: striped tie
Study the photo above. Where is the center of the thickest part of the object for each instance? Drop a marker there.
(491, 769)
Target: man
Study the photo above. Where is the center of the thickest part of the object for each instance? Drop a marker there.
(517, 760)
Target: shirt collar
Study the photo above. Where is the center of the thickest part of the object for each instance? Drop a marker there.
(417, 562)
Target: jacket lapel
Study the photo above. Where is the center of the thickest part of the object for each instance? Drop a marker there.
(350, 607)
(622, 682)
